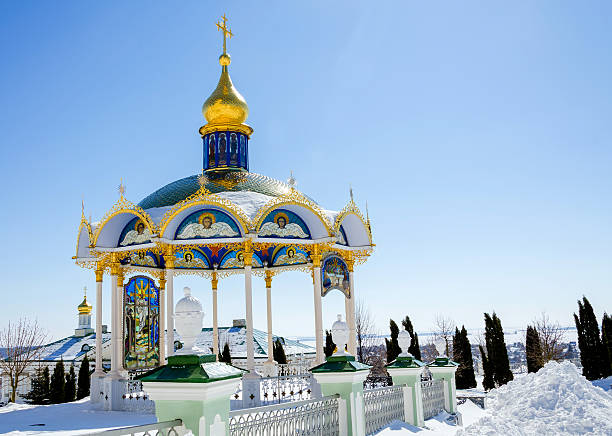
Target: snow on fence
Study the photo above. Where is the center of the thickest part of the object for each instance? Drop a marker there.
(433, 397)
(382, 405)
(306, 418)
(165, 428)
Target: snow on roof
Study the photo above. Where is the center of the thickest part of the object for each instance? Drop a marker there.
(70, 348)
(236, 338)
(249, 202)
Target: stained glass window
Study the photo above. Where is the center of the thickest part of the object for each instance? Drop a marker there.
(141, 323)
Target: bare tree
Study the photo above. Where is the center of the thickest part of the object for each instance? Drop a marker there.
(365, 332)
(429, 351)
(551, 338)
(23, 341)
(444, 330)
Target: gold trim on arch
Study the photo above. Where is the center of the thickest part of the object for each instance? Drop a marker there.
(120, 207)
(204, 197)
(84, 223)
(292, 198)
(351, 208)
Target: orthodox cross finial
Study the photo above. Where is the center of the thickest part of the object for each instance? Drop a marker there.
(351, 193)
(85, 291)
(226, 32)
(291, 180)
(82, 208)
(202, 179)
(121, 188)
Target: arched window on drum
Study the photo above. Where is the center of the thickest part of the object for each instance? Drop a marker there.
(222, 149)
(233, 152)
(211, 150)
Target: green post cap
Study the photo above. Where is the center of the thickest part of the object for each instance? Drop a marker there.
(405, 362)
(192, 369)
(340, 364)
(442, 361)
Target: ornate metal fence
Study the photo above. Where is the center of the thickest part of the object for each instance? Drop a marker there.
(165, 428)
(136, 400)
(382, 405)
(433, 397)
(377, 381)
(304, 418)
(286, 388)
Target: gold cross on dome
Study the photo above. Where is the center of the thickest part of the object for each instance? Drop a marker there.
(226, 32)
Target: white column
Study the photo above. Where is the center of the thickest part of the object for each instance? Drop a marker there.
(320, 356)
(162, 322)
(248, 296)
(114, 325)
(269, 313)
(215, 283)
(99, 275)
(170, 312)
(350, 314)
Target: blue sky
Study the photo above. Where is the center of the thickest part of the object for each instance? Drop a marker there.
(478, 132)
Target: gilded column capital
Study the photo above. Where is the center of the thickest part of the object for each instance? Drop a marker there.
(162, 284)
(115, 268)
(99, 275)
(214, 281)
(316, 260)
(350, 263)
(268, 278)
(168, 256)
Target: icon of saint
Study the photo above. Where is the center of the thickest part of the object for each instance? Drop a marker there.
(207, 227)
(291, 257)
(139, 235)
(281, 227)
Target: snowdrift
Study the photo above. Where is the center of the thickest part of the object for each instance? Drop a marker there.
(555, 400)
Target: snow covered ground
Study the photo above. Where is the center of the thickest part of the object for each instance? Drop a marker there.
(65, 419)
(556, 400)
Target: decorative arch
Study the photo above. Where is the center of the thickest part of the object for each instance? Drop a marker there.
(289, 255)
(307, 210)
(207, 223)
(335, 275)
(191, 258)
(115, 221)
(235, 259)
(84, 239)
(202, 199)
(351, 224)
(283, 223)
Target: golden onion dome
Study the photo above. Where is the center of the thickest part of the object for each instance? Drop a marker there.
(84, 308)
(225, 105)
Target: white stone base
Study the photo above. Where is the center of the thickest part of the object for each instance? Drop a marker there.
(251, 390)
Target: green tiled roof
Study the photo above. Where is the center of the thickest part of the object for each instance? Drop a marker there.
(226, 181)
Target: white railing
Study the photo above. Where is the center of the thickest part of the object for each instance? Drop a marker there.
(286, 388)
(165, 428)
(136, 400)
(433, 397)
(304, 418)
(382, 405)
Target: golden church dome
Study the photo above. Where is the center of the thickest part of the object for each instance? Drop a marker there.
(225, 105)
(84, 308)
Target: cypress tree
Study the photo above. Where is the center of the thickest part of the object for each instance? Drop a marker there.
(279, 352)
(70, 386)
(533, 350)
(39, 393)
(225, 355)
(462, 354)
(57, 383)
(83, 385)
(589, 342)
(497, 354)
(393, 349)
(414, 348)
(487, 381)
(606, 340)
